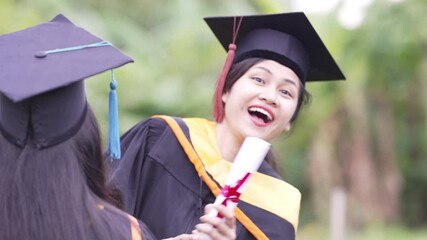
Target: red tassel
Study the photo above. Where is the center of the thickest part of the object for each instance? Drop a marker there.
(218, 113)
(218, 105)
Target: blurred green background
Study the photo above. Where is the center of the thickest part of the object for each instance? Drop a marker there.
(358, 153)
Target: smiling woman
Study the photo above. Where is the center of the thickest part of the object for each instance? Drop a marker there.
(261, 103)
(172, 167)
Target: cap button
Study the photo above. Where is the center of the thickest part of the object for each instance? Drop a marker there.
(113, 85)
(40, 54)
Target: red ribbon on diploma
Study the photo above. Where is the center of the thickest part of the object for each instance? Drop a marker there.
(231, 193)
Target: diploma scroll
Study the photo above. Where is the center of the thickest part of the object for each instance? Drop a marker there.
(247, 161)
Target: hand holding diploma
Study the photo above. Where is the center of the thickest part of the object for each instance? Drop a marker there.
(219, 221)
(247, 161)
(213, 227)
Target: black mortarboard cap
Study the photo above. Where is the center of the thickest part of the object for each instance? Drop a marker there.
(42, 69)
(288, 38)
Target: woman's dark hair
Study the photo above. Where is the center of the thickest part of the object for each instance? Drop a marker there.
(92, 163)
(239, 69)
(58, 192)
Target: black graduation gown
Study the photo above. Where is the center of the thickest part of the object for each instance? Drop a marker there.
(161, 187)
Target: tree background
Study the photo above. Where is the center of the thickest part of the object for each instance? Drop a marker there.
(365, 137)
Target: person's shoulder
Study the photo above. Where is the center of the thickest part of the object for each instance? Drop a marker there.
(150, 129)
(153, 123)
(267, 169)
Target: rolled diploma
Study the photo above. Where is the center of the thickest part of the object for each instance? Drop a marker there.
(247, 161)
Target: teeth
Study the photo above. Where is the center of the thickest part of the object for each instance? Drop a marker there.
(260, 110)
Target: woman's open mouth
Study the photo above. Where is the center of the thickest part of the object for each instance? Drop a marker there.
(260, 114)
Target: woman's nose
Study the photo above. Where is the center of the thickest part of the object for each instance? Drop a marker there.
(269, 96)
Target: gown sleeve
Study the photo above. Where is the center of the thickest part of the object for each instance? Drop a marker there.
(157, 182)
(126, 174)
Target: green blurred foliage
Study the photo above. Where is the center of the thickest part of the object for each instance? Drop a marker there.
(177, 62)
(394, 39)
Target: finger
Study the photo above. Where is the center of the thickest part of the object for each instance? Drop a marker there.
(183, 237)
(227, 225)
(208, 208)
(228, 216)
(209, 230)
(224, 211)
(218, 229)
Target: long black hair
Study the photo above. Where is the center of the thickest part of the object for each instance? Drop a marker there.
(58, 192)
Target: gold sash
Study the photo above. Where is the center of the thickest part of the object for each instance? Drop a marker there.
(263, 191)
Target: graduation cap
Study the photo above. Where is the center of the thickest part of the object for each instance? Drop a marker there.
(41, 82)
(288, 38)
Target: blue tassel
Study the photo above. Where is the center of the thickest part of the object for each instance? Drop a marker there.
(113, 122)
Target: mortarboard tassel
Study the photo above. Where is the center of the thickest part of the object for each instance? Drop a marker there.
(218, 113)
(113, 121)
(218, 105)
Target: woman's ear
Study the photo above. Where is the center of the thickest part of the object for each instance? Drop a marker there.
(224, 97)
(288, 126)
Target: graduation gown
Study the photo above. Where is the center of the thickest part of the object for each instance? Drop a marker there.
(166, 183)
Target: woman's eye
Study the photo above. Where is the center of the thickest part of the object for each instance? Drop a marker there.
(286, 92)
(257, 79)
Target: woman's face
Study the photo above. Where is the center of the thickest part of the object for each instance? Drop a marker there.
(261, 102)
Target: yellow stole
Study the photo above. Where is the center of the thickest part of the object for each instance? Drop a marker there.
(263, 191)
